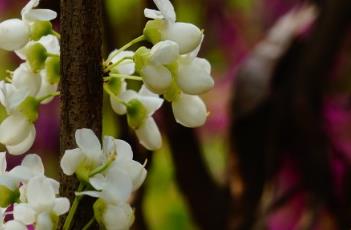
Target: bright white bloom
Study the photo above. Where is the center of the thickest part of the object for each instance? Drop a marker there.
(42, 207)
(86, 157)
(8, 184)
(165, 27)
(189, 110)
(24, 79)
(126, 65)
(15, 33)
(141, 106)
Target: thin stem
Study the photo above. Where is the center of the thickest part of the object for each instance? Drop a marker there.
(126, 46)
(72, 211)
(48, 96)
(56, 34)
(128, 77)
(104, 166)
(110, 67)
(88, 225)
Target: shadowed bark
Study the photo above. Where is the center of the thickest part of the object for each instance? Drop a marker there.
(81, 84)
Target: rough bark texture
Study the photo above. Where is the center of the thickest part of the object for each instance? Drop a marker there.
(81, 84)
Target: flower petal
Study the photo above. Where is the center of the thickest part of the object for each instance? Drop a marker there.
(14, 129)
(14, 225)
(14, 34)
(149, 135)
(61, 206)
(24, 78)
(44, 222)
(51, 44)
(3, 163)
(40, 15)
(70, 161)
(157, 78)
(34, 163)
(98, 181)
(164, 52)
(123, 149)
(40, 194)
(24, 213)
(135, 170)
(151, 101)
(189, 110)
(88, 142)
(167, 9)
(25, 145)
(153, 14)
(118, 186)
(118, 217)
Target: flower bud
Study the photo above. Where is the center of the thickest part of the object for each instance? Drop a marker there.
(157, 78)
(24, 79)
(136, 113)
(164, 52)
(114, 85)
(14, 34)
(84, 169)
(36, 56)
(187, 35)
(154, 30)
(99, 208)
(7, 196)
(29, 108)
(52, 66)
(172, 92)
(141, 58)
(189, 111)
(40, 29)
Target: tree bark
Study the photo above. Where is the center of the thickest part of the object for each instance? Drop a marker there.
(81, 84)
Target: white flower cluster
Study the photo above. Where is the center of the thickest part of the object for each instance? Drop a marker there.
(111, 171)
(170, 69)
(34, 82)
(29, 196)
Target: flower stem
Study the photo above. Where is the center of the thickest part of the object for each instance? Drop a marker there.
(128, 77)
(48, 96)
(52, 55)
(126, 46)
(109, 92)
(104, 166)
(72, 211)
(88, 225)
(109, 67)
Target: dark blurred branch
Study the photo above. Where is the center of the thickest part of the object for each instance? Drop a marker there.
(206, 200)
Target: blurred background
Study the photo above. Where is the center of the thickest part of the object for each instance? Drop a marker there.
(275, 152)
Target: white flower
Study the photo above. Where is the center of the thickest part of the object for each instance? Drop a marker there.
(165, 27)
(42, 207)
(24, 79)
(5, 178)
(127, 66)
(118, 217)
(189, 110)
(86, 157)
(15, 33)
(145, 105)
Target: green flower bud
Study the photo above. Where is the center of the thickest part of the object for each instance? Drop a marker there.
(7, 196)
(36, 56)
(114, 85)
(52, 66)
(29, 108)
(154, 30)
(136, 113)
(141, 58)
(40, 29)
(172, 92)
(99, 208)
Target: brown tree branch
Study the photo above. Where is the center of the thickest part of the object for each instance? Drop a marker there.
(81, 84)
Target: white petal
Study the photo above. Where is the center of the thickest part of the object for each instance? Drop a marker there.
(164, 52)
(61, 206)
(3, 163)
(118, 217)
(192, 55)
(193, 78)
(9, 182)
(24, 213)
(40, 15)
(123, 150)
(149, 135)
(126, 67)
(40, 194)
(167, 9)
(34, 163)
(120, 55)
(125, 96)
(187, 35)
(46, 88)
(153, 14)
(25, 145)
(157, 78)
(14, 129)
(21, 173)
(151, 101)
(88, 142)
(55, 185)
(118, 186)
(190, 111)
(135, 170)
(24, 78)
(98, 181)
(14, 225)
(29, 6)
(89, 193)
(14, 34)
(70, 161)
(51, 44)
(44, 222)
(108, 145)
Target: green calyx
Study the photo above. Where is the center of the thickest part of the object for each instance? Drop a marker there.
(141, 58)
(36, 56)
(7, 196)
(136, 113)
(40, 29)
(3, 113)
(172, 92)
(154, 29)
(99, 208)
(29, 108)
(52, 66)
(84, 170)
(114, 85)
